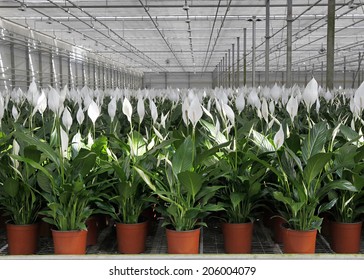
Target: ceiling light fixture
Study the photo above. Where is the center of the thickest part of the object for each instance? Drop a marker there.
(49, 21)
(186, 7)
(22, 7)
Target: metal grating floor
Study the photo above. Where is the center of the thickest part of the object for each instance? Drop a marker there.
(211, 241)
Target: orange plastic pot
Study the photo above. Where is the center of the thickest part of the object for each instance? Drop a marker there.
(22, 239)
(71, 242)
(237, 237)
(131, 237)
(345, 237)
(183, 242)
(299, 241)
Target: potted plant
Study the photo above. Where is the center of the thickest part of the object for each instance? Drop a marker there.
(66, 186)
(19, 197)
(299, 164)
(242, 193)
(128, 196)
(181, 185)
(346, 226)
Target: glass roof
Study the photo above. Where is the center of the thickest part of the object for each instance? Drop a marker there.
(195, 35)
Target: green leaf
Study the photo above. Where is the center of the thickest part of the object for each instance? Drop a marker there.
(145, 178)
(191, 182)
(315, 165)
(11, 187)
(32, 152)
(262, 142)
(314, 141)
(349, 133)
(83, 163)
(236, 198)
(183, 158)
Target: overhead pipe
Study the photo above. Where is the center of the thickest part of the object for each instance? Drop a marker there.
(330, 48)
(267, 37)
(289, 45)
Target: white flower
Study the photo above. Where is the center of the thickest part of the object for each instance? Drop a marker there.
(195, 111)
(163, 120)
(42, 103)
(275, 92)
(80, 116)
(228, 112)
(67, 119)
(279, 138)
(265, 111)
(54, 101)
(253, 99)
(272, 107)
(292, 107)
(33, 94)
(240, 102)
(328, 96)
(76, 143)
(310, 94)
(15, 113)
(141, 109)
(111, 108)
(359, 97)
(127, 109)
(153, 110)
(64, 142)
(93, 111)
(185, 106)
(16, 149)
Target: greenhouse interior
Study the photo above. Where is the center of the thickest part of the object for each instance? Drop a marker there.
(194, 127)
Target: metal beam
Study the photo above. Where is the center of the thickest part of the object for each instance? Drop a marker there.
(330, 44)
(267, 37)
(244, 57)
(289, 44)
(237, 62)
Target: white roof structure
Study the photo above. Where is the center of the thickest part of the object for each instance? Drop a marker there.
(194, 35)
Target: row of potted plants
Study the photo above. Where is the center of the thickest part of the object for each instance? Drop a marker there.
(234, 153)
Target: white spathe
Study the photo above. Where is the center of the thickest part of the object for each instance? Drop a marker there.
(127, 109)
(153, 110)
(195, 111)
(80, 116)
(279, 138)
(292, 107)
(310, 93)
(93, 111)
(141, 109)
(111, 108)
(67, 119)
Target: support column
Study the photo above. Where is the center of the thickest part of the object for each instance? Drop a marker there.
(165, 80)
(232, 66)
(27, 64)
(253, 20)
(330, 44)
(322, 73)
(237, 62)
(40, 68)
(244, 56)
(267, 37)
(344, 71)
(60, 70)
(289, 45)
(12, 63)
(69, 71)
(229, 68)
(223, 71)
(51, 70)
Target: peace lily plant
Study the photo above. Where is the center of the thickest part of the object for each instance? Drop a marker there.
(278, 139)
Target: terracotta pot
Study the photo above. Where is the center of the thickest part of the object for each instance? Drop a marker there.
(22, 239)
(71, 242)
(238, 238)
(299, 242)
(345, 237)
(131, 237)
(92, 231)
(277, 227)
(183, 242)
